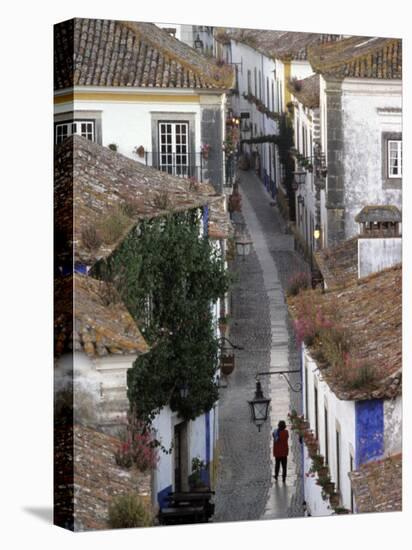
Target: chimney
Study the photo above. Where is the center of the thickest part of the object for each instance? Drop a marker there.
(379, 242)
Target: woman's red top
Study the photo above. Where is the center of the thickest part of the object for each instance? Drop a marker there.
(281, 447)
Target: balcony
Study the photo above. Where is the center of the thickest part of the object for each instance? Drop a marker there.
(183, 165)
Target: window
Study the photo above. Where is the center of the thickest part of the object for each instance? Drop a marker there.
(352, 501)
(273, 96)
(173, 148)
(326, 436)
(306, 392)
(394, 158)
(338, 445)
(249, 82)
(267, 93)
(316, 413)
(255, 72)
(260, 85)
(83, 128)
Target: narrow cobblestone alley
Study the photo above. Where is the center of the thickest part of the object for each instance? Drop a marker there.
(261, 324)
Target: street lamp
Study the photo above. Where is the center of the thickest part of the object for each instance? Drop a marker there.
(243, 248)
(183, 390)
(198, 43)
(259, 406)
(299, 177)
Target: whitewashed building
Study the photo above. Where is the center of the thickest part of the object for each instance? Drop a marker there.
(136, 89)
(307, 147)
(98, 346)
(266, 62)
(199, 37)
(361, 129)
(356, 422)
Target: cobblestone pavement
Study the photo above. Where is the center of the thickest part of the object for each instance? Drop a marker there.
(261, 323)
(245, 464)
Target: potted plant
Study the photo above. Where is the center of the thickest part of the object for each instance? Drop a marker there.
(227, 363)
(205, 148)
(195, 478)
(223, 324)
(139, 151)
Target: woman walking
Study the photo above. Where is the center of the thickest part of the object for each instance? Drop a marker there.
(281, 449)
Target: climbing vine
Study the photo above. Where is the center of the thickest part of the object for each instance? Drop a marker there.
(168, 276)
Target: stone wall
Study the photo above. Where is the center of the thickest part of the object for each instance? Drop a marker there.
(212, 133)
(335, 203)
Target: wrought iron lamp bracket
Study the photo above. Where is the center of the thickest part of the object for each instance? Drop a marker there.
(295, 388)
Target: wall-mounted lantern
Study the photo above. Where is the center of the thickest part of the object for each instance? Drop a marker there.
(243, 248)
(316, 232)
(198, 43)
(299, 177)
(301, 201)
(259, 406)
(183, 390)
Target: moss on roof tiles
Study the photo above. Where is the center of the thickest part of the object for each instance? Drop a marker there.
(359, 57)
(95, 52)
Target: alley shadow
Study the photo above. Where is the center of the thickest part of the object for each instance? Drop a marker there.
(43, 513)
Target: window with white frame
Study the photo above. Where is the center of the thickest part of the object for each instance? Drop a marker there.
(83, 128)
(174, 148)
(394, 158)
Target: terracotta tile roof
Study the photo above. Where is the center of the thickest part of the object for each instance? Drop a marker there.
(93, 184)
(359, 57)
(220, 225)
(379, 213)
(339, 264)
(87, 477)
(371, 309)
(281, 45)
(377, 486)
(98, 52)
(102, 324)
(306, 90)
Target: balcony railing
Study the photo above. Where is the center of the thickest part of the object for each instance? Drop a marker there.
(183, 165)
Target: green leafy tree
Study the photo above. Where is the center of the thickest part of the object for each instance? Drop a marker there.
(168, 276)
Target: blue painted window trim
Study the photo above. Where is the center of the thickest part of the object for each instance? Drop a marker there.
(161, 496)
(205, 216)
(369, 426)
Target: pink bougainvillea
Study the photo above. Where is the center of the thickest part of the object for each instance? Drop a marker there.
(138, 447)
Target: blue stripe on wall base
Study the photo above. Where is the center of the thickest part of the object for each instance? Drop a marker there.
(161, 496)
(207, 434)
(369, 430)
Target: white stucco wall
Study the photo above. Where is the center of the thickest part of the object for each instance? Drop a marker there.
(341, 415)
(163, 425)
(377, 254)
(392, 410)
(250, 59)
(305, 215)
(363, 125)
(128, 123)
(300, 69)
(99, 386)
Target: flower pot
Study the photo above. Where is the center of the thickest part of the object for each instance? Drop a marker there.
(227, 364)
(334, 500)
(323, 472)
(140, 151)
